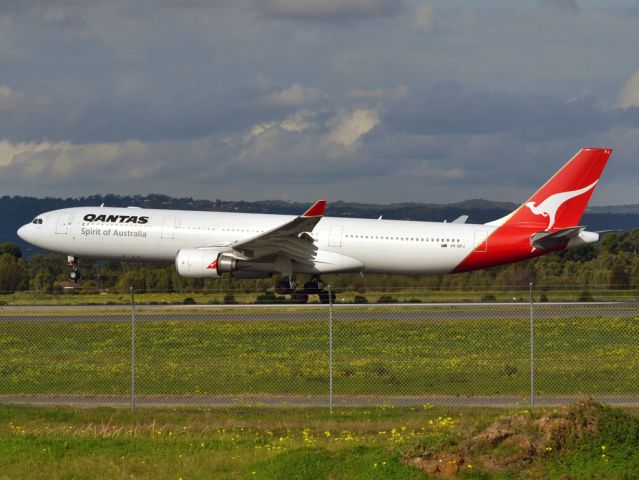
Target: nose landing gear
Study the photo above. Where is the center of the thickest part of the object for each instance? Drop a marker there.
(74, 274)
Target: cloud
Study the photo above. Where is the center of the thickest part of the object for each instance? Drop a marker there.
(17, 102)
(231, 99)
(329, 9)
(65, 161)
(448, 108)
(425, 16)
(628, 96)
(430, 171)
(349, 127)
(297, 123)
(566, 6)
(294, 96)
(60, 14)
(396, 93)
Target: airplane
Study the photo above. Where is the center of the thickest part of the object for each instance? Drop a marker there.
(209, 244)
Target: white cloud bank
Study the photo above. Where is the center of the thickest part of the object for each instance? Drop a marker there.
(349, 127)
(64, 160)
(294, 96)
(628, 96)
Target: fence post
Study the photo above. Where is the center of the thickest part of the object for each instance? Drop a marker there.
(330, 348)
(133, 369)
(532, 348)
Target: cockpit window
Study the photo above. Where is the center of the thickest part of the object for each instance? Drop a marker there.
(37, 221)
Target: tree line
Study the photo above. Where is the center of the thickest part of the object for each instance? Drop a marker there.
(612, 263)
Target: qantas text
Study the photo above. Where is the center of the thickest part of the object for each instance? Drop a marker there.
(115, 218)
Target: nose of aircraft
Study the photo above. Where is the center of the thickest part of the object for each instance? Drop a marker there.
(23, 232)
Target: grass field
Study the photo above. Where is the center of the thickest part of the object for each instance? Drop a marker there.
(465, 357)
(255, 443)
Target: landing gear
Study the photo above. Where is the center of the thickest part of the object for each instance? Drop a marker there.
(327, 297)
(74, 274)
(313, 287)
(285, 286)
(298, 297)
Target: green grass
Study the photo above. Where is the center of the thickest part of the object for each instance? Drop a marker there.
(224, 443)
(610, 452)
(585, 355)
(298, 443)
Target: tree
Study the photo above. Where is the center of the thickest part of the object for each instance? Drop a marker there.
(11, 249)
(619, 276)
(13, 274)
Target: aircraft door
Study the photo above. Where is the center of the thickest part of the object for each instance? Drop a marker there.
(479, 245)
(335, 236)
(62, 226)
(168, 228)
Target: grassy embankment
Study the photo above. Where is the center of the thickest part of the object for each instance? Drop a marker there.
(255, 443)
(249, 355)
(399, 295)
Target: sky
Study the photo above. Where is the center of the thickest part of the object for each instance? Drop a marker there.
(357, 100)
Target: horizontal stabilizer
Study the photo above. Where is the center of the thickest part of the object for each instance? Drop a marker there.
(546, 240)
(460, 219)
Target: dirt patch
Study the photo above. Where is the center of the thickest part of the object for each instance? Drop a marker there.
(513, 442)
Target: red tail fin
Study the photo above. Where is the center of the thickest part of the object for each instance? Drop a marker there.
(557, 205)
(561, 202)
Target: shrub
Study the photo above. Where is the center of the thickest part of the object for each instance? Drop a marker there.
(585, 296)
(229, 298)
(270, 297)
(360, 299)
(489, 298)
(189, 301)
(387, 299)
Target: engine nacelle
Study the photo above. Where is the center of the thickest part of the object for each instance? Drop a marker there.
(203, 263)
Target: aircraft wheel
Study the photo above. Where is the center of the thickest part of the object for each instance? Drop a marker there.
(283, 287)
(300, 298)
(74, 275)
(324, 298)
(314, 287)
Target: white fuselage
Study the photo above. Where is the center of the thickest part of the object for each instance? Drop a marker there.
(344, 244)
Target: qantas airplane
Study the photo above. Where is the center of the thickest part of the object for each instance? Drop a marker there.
(209, 244)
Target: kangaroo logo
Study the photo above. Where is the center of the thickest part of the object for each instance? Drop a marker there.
(548, 208)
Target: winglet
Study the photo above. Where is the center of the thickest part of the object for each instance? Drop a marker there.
(317, 210)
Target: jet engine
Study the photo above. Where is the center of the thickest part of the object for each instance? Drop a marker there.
(203, 263)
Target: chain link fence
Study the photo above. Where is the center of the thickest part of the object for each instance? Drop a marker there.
(342, 354)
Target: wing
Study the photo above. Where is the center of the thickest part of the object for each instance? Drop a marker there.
(292, 240)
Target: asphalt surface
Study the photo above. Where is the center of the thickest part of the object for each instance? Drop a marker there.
(319, 313)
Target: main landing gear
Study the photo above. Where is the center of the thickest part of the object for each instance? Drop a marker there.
(74, 274)
(313, 287)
